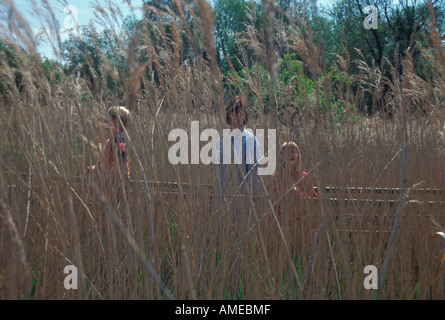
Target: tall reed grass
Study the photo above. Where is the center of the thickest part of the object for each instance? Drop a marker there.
(143, 243)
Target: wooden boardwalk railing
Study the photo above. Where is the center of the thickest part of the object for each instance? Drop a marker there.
(382, 191)
(337, 196)
(379, 205)
(357, 195)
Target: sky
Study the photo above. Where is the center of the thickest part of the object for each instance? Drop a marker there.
(69, 13)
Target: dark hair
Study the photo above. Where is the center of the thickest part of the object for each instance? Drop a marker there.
(236, 104)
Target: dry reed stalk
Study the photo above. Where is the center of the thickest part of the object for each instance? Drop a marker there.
(321, 257)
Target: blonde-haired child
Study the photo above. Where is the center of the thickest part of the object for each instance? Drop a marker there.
(289, 173)
(118, 118)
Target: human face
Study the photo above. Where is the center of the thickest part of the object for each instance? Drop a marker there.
(236, 118)
(291, 157)
(111, 123)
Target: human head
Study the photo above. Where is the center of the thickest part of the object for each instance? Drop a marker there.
(236, 110)
(290, 155)
(113, 115)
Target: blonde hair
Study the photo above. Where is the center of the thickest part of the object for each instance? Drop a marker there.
(122, 112)
(290, 145)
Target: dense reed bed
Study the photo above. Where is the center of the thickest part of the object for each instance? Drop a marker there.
(192, 243)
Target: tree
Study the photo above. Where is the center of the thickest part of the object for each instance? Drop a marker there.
(402, 25)
(9, 62)
(231, 17)
(82, 54)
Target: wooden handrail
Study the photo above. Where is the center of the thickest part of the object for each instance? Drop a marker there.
(341, 193)
(327, 189)
(397, 191)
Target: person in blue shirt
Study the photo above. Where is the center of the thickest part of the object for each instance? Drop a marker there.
(238, 152)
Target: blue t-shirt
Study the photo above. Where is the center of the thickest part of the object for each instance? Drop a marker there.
(238, 161)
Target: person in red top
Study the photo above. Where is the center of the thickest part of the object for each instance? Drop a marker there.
(289, 181)
(115, 154)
